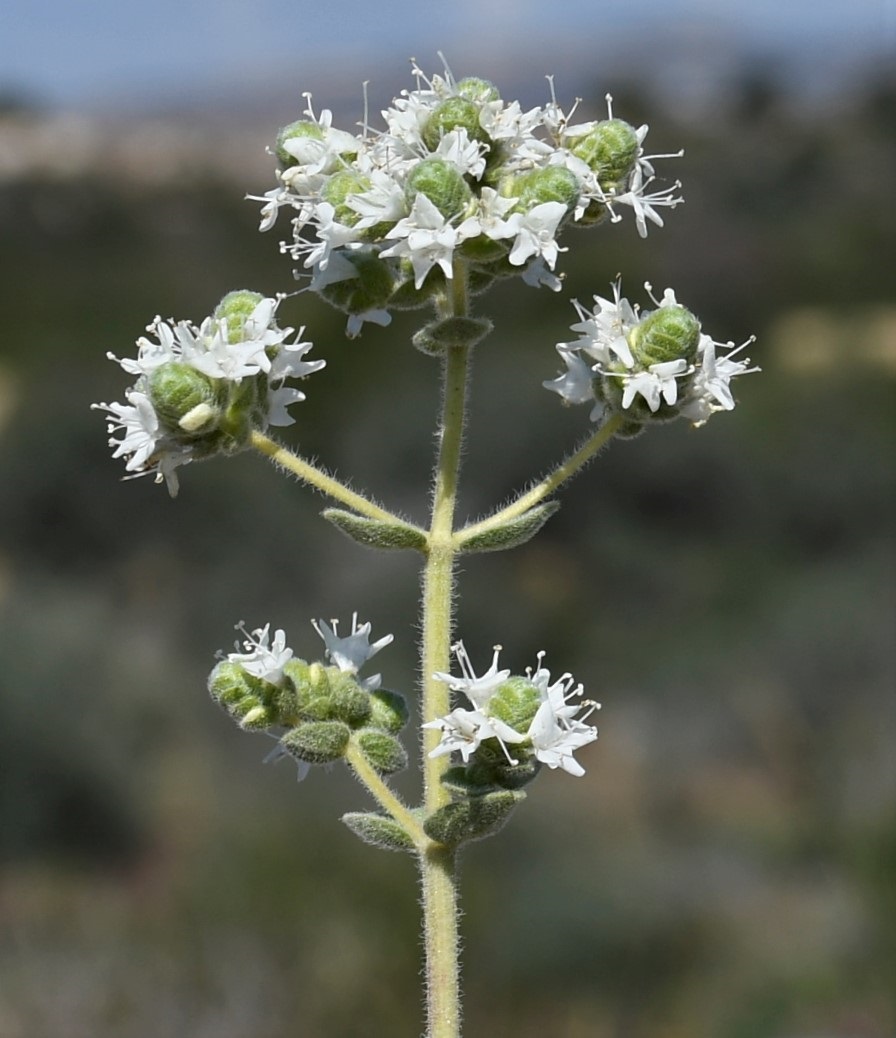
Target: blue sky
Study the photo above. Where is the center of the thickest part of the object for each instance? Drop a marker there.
(75, 52)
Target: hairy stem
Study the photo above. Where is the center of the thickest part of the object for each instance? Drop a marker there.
(316, 477)
(553, 481)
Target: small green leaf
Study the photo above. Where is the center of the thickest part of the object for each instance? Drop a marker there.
(438, 336)
(376, 533)
(473, 818)
(384, 752)
(378, 830)
(510, 534)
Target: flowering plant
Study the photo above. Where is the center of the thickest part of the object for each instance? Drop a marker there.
(460, 189)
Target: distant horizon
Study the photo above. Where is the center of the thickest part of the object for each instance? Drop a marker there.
(107, 57)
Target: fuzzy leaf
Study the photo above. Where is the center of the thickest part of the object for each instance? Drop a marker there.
(473, 818)
(512, 533)
(376, 533)
(378, 830)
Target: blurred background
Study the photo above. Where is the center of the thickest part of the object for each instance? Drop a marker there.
(727, 868)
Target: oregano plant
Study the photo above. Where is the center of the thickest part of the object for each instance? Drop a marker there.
(462, 189)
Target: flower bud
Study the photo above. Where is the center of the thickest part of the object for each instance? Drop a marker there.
(312, 688)
(317, 742)
(610, 148)
(236, 308)
(337, 189)
(249, 700)
(442, 183)
(515, 702)
(369, 290)
(177, 389)
(549, 184)
(669, 333)
(454, 113)
(348, 701)
(480, 91)
(300, 128)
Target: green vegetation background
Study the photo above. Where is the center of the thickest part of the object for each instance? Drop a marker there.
(727, 867)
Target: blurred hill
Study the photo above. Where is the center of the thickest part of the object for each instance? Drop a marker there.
(726, 869)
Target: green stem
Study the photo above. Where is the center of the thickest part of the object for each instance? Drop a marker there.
(373, 781)
(553, 481)
(318, 478)
(437, 863)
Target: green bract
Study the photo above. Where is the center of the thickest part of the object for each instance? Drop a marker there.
(443, 185)
(670, 333)
(452, 114)
(236, 308)
(300, 128)
(610, 148)
(178, 390)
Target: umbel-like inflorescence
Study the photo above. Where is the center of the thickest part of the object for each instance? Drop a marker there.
(380, 217)
(201, 390)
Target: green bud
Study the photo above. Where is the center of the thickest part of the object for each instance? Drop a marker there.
(611, 149)
(370, 290)
(384, 752)
(300, 128)
(515, 702)
(511, 533)
(179, 392)
(376, 533)
(438, 336)
(312, 689)
(473, 818)
(236, 308)
(379, 830)
(348, 701)
(670, 333)
(388, 711)
(479, 91)
(549, 184)
(337, 189)
(453, 113)
(442, 183)
(250, 701)
(317, 742)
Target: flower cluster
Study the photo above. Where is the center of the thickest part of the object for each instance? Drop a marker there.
(533, 714)
(201, 390)
(263, 686)
(382, 218)
(647, 365)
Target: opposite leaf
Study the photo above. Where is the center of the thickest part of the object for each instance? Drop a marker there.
(378, 830)
(509, 534)
(376, 533)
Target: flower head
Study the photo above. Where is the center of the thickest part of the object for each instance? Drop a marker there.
(536, 716)
(508, 183)
(201, 389)
(646, 365)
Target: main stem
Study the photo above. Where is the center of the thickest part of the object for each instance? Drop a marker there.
(438, 864)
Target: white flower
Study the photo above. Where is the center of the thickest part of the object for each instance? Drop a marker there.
(575, 385)
(478, 690)
(262, 658)
(710, 390)
(349, 654)
(426, 238)
(535, 233)
(659, 380)
(553, 734)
